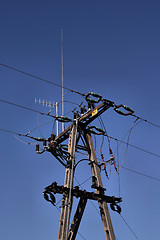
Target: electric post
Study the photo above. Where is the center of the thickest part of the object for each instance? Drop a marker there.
(80, 130)
(97, 184)
(67, 199)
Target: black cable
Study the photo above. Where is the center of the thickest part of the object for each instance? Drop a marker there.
(30, 109)
(146, 121)
(129, 133)
(85, 181)
(141, 149)
(71, 90)
(129, 227)
(154, 154)
(145, 175)
(100, 121)
(157, 179)
(8, 131)
(41, 79)
(119, 185)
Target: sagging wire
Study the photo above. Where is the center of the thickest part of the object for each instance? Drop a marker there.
(104, 165)
(112, 159)
(119, 186)
(102, 157)
(38, 125)
(100, 121)
(110, 150)
(24, 141)
(53, 128)
(129, 134)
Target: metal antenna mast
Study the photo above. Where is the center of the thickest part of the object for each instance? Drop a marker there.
(62, 77)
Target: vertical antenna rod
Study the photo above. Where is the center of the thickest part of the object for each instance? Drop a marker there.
(62, 77)
(57, 120)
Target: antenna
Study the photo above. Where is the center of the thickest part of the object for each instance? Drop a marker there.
(62, 77)
(47, 103)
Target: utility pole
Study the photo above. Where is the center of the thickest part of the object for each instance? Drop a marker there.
(80, 130)
(67, 199)
(97, 184)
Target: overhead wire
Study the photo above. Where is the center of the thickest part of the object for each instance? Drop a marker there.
(131, 145)
(116, 139)
(142, 174)
(39, 78)
(121, 141)
(27, 108)
(30, 109)
(119, 186)
(129, 227)
(144, 120)
(127, 169)
(24, 141)
(69, 89)
(129, 134)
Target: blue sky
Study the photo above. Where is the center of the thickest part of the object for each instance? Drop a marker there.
(110, 47)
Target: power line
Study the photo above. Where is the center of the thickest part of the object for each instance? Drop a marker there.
(145, 175)
(129, 227)
(8, 131)
(146, 121)
(30, 109)
(142, 174)
(33, 110)
(69, 89)
(39, 78)
(141, 149)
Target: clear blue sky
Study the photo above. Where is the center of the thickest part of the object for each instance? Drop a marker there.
(110, 47)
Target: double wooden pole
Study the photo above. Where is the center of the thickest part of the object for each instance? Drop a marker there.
(64, 232)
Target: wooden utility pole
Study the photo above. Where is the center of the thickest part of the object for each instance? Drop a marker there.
(97, 184)
(69, 174)
(79, 130)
